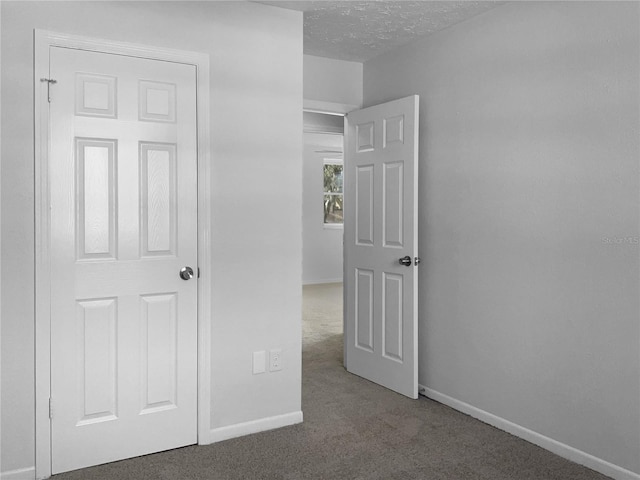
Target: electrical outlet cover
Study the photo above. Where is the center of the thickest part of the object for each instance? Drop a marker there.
(275, 360)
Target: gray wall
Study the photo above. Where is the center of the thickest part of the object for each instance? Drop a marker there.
(529, 176)
(256, 121)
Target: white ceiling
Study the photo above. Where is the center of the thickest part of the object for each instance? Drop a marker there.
(358, 31)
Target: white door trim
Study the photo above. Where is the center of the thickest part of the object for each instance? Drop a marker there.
(43, 41)
(320, 106)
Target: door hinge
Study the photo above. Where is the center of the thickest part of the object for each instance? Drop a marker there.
(198, 272)
(50, 81)
(50, 408)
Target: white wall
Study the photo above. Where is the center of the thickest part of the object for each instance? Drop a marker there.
(529, 163)
(322, 247)
(256, 119)
(334, 81)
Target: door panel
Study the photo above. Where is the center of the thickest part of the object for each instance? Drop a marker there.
(159, 355)
(96, 337)
(364, 309)
(123, 169)
(363, 213)
(393, 213)
(96, 190)
(158, 199)
(392, 316)
(381, 226)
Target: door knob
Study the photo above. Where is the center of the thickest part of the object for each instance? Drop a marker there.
(406, 261)
(186, 273)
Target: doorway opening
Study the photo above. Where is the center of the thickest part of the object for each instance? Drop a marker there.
(322, 207)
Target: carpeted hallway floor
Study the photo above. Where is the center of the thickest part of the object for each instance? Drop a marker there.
(352, 430)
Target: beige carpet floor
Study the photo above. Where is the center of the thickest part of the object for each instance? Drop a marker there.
(353, 429)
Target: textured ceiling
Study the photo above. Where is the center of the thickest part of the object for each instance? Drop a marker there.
(358, 31)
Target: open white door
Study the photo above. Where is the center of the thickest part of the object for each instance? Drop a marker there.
(381, 244)
(123, 206)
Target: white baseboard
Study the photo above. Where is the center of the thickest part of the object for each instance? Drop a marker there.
(561, 449)
(321, 281)
(255, 426)
(20, 474)
(215, 435)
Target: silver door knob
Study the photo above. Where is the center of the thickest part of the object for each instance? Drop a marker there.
(406, 261)
(186, 273)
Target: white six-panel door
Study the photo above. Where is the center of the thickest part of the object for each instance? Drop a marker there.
(381, 227)
(123, 195)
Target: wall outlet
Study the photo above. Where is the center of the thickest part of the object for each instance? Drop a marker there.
(259, 362)
(275, 360)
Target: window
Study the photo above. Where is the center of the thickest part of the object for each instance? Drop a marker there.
(333, 193)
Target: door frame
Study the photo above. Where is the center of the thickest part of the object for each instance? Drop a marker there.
(342, 109)
(43, 41)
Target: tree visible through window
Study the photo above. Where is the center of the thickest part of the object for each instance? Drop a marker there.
(333, 193)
